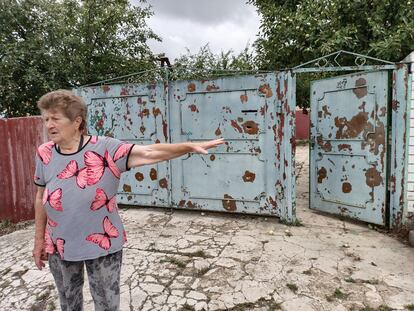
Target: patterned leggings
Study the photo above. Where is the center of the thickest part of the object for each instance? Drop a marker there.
(103, 274)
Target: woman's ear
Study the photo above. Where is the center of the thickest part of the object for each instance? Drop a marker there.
(78, 121)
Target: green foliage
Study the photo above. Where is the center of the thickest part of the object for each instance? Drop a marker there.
(206, 64)
(50, 44)
(295, 31)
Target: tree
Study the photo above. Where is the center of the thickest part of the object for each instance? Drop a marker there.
(295, 31)
(51, 44)
(206, 64)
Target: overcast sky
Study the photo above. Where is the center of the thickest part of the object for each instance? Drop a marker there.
(224, 24)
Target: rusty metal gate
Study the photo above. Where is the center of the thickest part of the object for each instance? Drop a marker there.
(252, 173)
(358, 144)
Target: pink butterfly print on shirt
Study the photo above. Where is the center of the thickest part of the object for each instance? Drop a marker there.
(96, 165)
(51, 247)
(104, 239)
(51, 222)
(101, 199)
(54, 199)
(45, 152)
(72, 170)
(93, 139)
(122, 151)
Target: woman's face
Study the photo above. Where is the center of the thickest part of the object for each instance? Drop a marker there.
(59, 127)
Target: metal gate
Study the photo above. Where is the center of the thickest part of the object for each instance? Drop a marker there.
(252, 173)
(359, 142)
(349, 145)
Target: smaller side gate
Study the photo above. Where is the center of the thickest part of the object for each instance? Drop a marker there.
(252, 173)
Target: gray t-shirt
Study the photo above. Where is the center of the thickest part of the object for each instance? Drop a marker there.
(79, 197)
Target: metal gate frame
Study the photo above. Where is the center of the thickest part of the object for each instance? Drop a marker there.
(398, 151)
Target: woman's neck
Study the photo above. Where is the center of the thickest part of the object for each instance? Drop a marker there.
(71, 145)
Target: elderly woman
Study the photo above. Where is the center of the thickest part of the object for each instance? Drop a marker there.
(77, 222)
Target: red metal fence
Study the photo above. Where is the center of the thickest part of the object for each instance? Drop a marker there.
(19, 138)
(302, 124)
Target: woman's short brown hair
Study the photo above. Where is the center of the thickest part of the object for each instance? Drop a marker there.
(71, 105)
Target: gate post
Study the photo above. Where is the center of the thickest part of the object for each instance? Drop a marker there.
(400, 123)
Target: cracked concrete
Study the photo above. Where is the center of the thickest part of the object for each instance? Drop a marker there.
(187, 260)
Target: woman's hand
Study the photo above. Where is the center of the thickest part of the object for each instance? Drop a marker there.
(204, 146)
(39, 255)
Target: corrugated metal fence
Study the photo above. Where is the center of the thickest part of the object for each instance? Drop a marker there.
(18, 140)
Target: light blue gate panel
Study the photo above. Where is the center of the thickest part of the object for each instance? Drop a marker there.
(136, 114)
(348, 164)
(399, 145)
(253, 171)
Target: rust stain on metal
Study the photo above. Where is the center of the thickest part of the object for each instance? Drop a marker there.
(375, 138)
(383, 111)
(139, 176)
(243, 98)
(373, 177)
(320, 114)
(124, 91)
(193, 108)
(346, 187)
(105, 88)
(142, 129)
(144, 113)
(321, 174)
(236, 126)
(395, 104)
(266, 90)
(272, 202)
(353, 127)
(360, 88)
(344, 146)
(218, 131)
(326, 111)
(165, 129)
(129, 198)
(191, 87)
(263, 110)
(126, 188)
(249, 176)
(153, 174)
(250, 127)
(190, 204)
(325, 146)
(212, 157)
(163, 183)
(229, 204)
(181, 203)
(156, 111)
(212, 87)
(240, 119)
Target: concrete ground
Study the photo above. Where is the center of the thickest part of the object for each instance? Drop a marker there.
(187, 260)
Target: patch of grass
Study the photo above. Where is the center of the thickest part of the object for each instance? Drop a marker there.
(291, 223)
(372, 282)
(4, 224)
(380, 308)
(339, 294)
(409, 307)
(43, 296)
(51, 306)
(199, 253)
(177, 262)
(307, 272)
(293, 287)
(350, 280)
(202, 271)
(186, 307)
